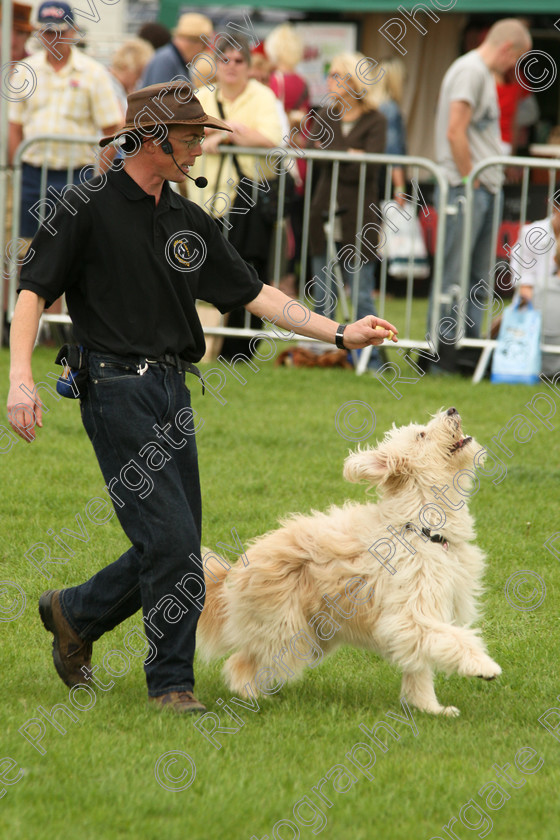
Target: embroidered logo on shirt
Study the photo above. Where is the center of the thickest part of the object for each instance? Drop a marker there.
(181, 252)
(185, 250)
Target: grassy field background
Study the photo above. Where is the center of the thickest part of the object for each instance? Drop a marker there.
(273, 448)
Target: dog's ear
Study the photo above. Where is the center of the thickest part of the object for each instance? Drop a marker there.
(355, 466)
(374, 466)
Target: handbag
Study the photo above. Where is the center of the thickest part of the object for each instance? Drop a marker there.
(517, 355)
(404, 249)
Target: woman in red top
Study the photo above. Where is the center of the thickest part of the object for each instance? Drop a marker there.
(284, 48)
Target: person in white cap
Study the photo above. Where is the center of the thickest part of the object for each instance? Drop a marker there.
(73, 98)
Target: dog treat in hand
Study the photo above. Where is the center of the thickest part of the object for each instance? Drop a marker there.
(390, 336)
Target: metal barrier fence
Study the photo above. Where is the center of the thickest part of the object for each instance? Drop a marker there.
(414, 166)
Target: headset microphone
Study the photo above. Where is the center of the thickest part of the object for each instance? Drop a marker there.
(167, 149)
(199, 182)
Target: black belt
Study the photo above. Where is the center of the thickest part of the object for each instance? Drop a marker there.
(173, 360)
(141, 362)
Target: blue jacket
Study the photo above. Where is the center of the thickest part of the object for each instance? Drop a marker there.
(166, 63)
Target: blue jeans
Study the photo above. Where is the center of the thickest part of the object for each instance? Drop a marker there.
(157, 501)
(479, 252)
(326, 295)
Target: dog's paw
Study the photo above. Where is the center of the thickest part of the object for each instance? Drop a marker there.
(490, 677)
(492, 671)
(450, 711)
(436, 709)
(481, 666)
(445, 711)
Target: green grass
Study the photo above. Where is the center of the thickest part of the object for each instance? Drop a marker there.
(273, 448)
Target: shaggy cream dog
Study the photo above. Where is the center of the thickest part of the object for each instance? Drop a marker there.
(400, 577)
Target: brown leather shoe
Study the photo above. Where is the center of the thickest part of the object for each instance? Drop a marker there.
(183, 702)
(70, 652)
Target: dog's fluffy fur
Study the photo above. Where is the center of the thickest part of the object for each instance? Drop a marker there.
(418, 618)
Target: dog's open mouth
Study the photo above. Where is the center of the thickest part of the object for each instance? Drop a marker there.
(460, 443)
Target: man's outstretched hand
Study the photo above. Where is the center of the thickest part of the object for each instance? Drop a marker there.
(368, 330)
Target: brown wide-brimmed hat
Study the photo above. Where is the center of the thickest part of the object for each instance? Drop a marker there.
(21, 17)
(170, 103)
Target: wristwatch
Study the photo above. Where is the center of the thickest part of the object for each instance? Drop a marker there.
(339, 337)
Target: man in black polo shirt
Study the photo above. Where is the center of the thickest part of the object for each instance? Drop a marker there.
(132, 257)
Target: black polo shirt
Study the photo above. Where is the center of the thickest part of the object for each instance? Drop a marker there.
(132, 270)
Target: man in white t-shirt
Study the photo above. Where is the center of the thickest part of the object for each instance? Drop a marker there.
(468, 131)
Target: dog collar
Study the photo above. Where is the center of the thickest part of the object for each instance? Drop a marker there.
(439, 538)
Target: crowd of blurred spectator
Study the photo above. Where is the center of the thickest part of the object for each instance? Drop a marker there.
(264, 98)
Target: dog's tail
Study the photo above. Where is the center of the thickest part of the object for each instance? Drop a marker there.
(210, 636)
